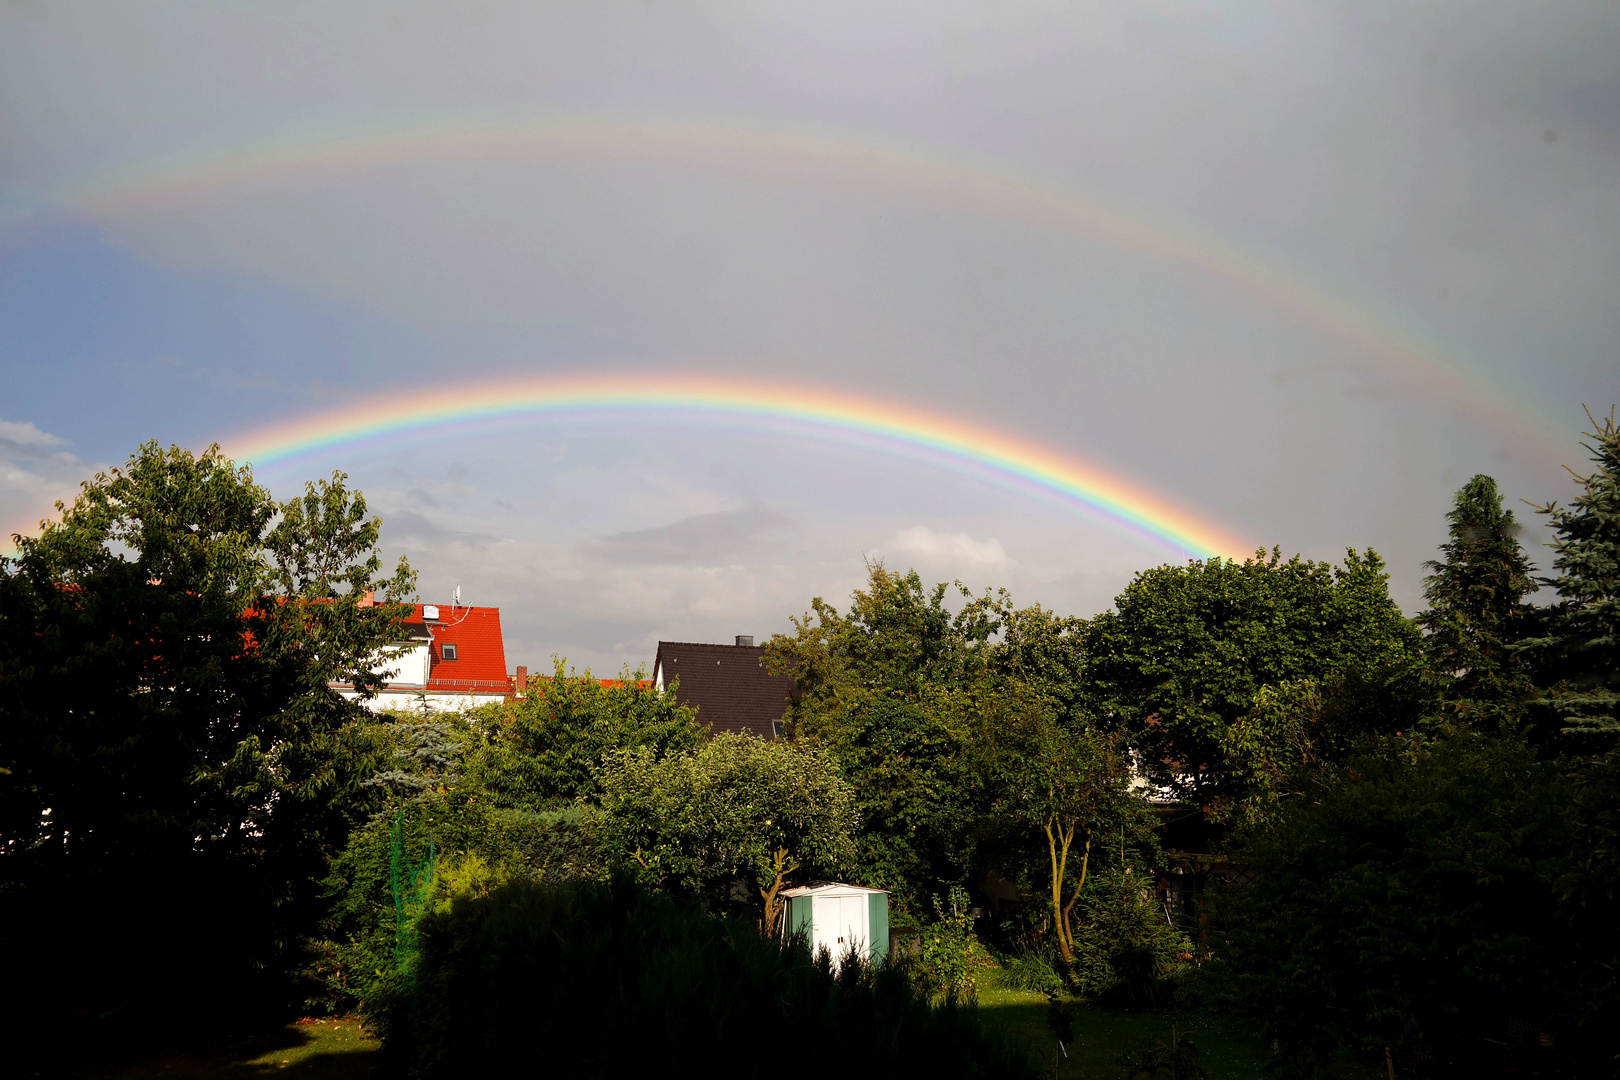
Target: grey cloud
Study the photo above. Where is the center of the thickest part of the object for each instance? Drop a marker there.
(705, 539)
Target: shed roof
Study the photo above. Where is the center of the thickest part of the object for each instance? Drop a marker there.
(829, 888)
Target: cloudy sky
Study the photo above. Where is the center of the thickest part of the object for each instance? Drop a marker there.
(1299, 269)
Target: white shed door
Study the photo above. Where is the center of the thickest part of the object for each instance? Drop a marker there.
(841, 925)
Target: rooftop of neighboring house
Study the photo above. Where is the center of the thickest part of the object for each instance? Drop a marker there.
(728, 684)
(465, 648)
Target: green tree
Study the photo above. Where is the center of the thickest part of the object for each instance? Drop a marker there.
(1067, 784)
(1186, 649)
(1578, 651)
(1413, 902)
(1477, 611)
(736, 807)
(899, 638)
(545, 746)
(168, 728)
(891, 689)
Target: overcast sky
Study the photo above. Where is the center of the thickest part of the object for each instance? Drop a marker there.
(1300, 268)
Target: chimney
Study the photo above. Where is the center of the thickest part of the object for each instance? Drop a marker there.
(368, 600)
(522, 680)
(745, 639)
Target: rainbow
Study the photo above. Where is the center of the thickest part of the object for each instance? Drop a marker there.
(841, 161)
(809, 411)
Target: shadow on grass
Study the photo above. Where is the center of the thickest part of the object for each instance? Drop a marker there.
(1103, 1036)
(337, 1049)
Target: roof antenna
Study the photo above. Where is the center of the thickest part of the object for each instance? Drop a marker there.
(456, 600)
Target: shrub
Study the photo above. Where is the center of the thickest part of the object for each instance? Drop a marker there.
(948, 952)
(607, 979)
(1128, 953)
(1031, 972)
(1416, 905)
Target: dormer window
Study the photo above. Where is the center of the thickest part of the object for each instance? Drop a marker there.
(447, 651)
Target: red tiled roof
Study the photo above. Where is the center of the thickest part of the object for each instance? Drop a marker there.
(480, 663)
(729, 684)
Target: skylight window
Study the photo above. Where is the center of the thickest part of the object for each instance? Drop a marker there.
(448, 651)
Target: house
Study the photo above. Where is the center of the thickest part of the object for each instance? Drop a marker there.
(452, 657)
(727, 684)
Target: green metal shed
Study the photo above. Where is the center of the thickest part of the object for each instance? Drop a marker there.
(839, 918)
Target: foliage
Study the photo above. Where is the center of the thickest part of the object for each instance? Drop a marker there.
(948, 952)
(1410, 904)
(1066, 783)
(1477, 611)
(906, 763)
(901, 690)
(440, 824)
(1186, 649)
(1127, 953)
(609, 979)
(1045, 654)
(548, 743)
(736, 807)
(1030, 971)
(1175, 1060)
(1578, 651)
(898, 639)
(167, 651)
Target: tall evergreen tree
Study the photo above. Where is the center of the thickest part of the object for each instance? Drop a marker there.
(1580, 649)
(1477, 611)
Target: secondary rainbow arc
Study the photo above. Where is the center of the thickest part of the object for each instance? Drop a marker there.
(840, 160)
(948, 441)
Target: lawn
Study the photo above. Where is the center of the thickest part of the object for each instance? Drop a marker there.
(337, 1049)
(1101, 1036)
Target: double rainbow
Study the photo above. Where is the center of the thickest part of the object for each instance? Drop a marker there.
(842, 161)
(947, 441)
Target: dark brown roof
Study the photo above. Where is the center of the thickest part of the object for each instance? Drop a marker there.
(727, 683)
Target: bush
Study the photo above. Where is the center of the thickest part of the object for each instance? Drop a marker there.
(1128, 953)
(1422, 904)
(947, 953)
(607, 979)
(1031, 972)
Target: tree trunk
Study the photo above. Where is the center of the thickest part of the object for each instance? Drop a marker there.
(773, 907)
(1085, 865)
(1057, 847)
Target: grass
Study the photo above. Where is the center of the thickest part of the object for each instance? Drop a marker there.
(337, 1049)
(1101, 1036)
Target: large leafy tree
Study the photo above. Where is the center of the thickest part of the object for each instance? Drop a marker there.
(168, 651)
(1065, 783)
(546, 745)
(898, 638)
(736, 807)
(890, 688)
(1415, 903)
(1477, 611)
(1187, 648)
(1578, 651)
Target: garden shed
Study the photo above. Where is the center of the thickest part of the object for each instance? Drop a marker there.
(839, 918)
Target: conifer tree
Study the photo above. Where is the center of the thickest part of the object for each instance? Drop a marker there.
(1580, 649)
(1477, 611)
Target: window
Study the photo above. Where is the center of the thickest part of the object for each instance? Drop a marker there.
(447, 651)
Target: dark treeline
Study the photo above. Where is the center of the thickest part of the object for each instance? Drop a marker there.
(1401, 831)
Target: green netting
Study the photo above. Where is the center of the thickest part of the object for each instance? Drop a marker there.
(412, 882)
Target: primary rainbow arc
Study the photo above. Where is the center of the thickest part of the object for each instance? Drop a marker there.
(951, 442)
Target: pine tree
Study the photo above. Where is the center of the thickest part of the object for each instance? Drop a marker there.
(1580, 650)
(1477, 611)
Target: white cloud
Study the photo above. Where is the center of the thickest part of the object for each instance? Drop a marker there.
(25, 434)
(33, 477)
(950, 548)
